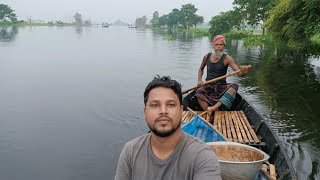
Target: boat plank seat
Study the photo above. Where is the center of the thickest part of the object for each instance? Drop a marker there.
(234, 125)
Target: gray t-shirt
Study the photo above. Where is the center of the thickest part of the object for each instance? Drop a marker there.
(192, 159)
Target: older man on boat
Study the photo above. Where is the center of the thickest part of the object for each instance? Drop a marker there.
(219, 94)
(166, 152)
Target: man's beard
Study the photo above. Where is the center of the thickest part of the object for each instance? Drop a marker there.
(217, 53)
(166, 133)
(163, 134)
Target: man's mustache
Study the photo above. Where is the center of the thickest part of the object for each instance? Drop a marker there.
(163, 118)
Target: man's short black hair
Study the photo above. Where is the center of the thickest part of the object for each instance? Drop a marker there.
(164, 81)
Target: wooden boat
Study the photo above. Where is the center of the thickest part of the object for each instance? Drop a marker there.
(132, 26)
(247, 127)
(105, 24)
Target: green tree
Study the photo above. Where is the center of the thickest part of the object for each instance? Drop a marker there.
(188, 15)
(223, 23)
(173, 18)
(6, 13)
(155, 19)
(253, 12)
(294, 22)
(141, 22)
(78, 19)
(197, 20)
(163, 20)
(87, 22)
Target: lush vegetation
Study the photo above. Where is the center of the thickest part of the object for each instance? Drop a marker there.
(253, 13)
(7, 14)
(238, 34)
(195, 31)
(185, 17)
(316, 39)
(257, 40)
(168, 37)
(294, 22)
(224, 22)
(291, 24)
(200, 31)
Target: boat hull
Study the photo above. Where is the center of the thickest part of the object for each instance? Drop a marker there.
(270, 142)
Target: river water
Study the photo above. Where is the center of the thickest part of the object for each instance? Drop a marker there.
(71, 97)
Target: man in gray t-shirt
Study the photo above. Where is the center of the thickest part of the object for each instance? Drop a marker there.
(167, 152)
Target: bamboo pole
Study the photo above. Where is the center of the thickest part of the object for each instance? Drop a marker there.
(214, 80)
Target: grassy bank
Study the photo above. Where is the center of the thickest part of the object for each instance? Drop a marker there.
(238, 34)
(200, 31)
(6, 23)
(195, 31)
(44, 24)
(258, 40)
(22, 23)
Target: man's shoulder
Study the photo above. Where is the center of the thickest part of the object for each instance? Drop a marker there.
(137, 141)
(195, 144)
(198, 150)
(228, 58)
(207, 54)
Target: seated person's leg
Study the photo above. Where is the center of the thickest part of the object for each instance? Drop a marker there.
(228, 97)
(203, 104)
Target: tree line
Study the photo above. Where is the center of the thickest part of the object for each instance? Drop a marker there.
(291, 23)
(7, 15)
(185, 17)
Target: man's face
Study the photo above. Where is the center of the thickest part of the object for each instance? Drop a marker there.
(218, 46)
(163, 111)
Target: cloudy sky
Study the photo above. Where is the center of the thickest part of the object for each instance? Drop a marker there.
(109, 10)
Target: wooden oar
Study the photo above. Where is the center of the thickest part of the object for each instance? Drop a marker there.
(214, 80)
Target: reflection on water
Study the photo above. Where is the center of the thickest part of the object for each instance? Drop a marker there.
(289, 89)
(315, 63)
(79, 30)
(8, 34)
(71, 97)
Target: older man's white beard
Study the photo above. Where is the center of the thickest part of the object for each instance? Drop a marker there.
(217, 53)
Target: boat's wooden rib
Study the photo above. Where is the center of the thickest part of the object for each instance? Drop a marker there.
(232, 124)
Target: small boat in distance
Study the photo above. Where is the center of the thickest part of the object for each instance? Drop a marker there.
(105, 24)
(132, 26)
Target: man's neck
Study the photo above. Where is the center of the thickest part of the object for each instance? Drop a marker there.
(162, 147)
